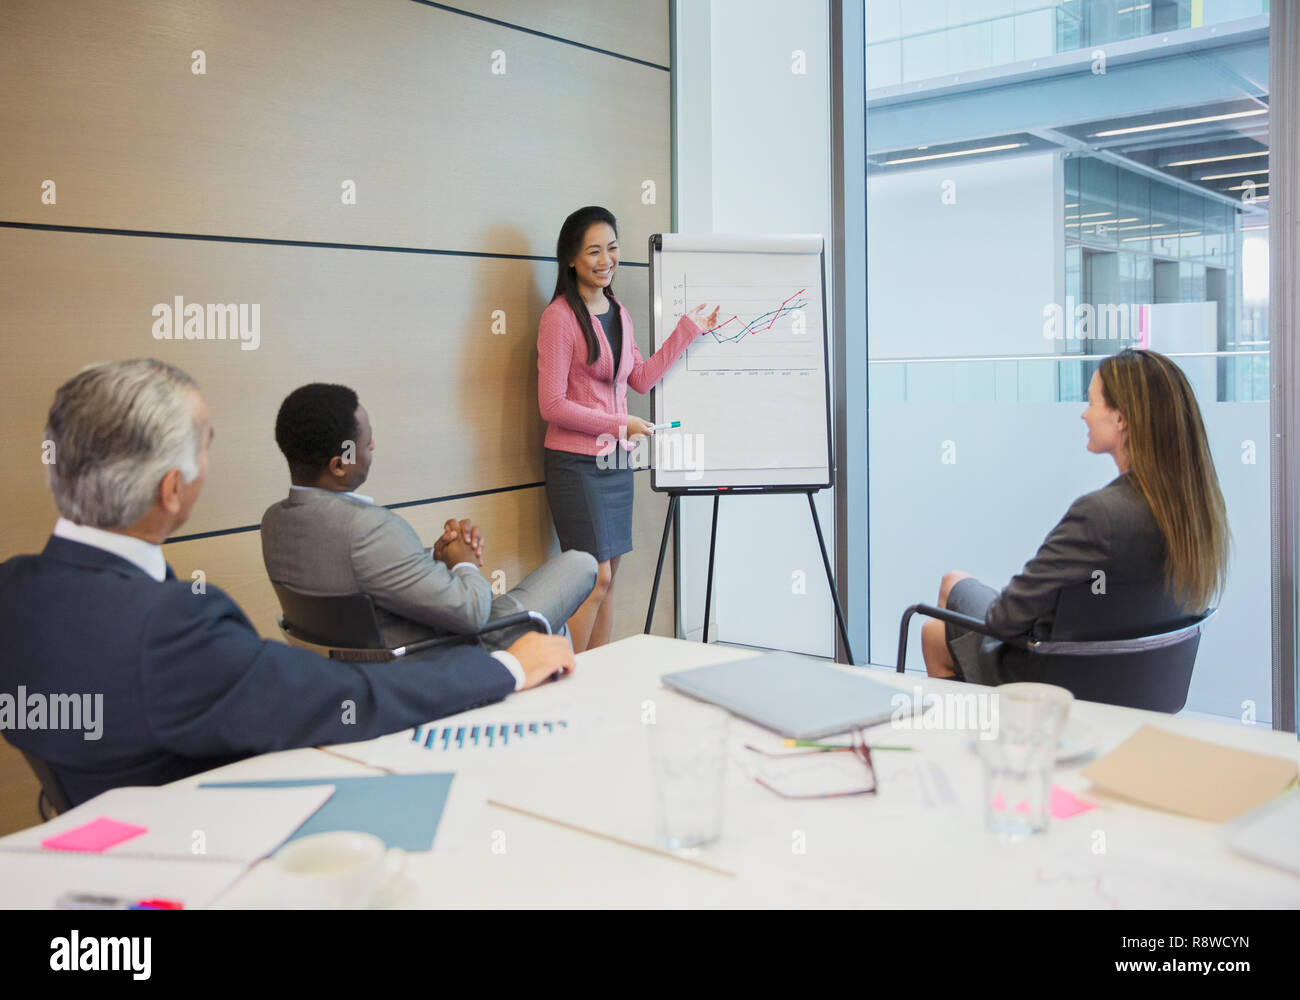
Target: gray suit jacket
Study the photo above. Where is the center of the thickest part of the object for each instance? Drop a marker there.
(324, 543)
(1111, 529)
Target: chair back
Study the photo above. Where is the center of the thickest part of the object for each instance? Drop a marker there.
(51, 787)
(346, 621)
(1131, 646)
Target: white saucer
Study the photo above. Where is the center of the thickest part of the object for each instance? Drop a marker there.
(1076, 740)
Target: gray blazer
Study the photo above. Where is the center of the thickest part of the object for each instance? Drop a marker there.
(1111, 529)
(324, 543)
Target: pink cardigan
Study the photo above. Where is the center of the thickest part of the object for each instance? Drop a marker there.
(580, 402)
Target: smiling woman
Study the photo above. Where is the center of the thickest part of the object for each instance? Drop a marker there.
(582, 378)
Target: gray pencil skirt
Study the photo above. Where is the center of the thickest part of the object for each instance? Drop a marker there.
(591, 506)
(975, 655)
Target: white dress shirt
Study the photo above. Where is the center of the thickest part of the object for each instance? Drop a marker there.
(136, 551)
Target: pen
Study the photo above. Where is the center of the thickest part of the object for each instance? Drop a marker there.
(835, 746)
(92, 901)
(667, 426)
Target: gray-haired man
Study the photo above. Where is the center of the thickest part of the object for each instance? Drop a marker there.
(186, 683)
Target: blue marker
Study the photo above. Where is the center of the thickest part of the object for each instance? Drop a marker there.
(665, 427)
(460, 737)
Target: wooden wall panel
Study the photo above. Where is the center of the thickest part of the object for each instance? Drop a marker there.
(453, 406)
(518, 538)
(298, 96)
(301, 95)
(635, 28)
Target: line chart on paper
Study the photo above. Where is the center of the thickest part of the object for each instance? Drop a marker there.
(760, 328)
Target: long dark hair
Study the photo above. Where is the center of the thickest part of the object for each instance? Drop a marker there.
(567, 247)
(1170, 461)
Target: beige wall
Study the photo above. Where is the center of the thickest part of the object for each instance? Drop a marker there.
(462, 177)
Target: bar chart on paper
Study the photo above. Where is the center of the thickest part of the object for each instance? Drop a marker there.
(751, 392)
(555, 727)
(486, 736)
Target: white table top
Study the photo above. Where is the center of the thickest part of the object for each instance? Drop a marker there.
(889, 850)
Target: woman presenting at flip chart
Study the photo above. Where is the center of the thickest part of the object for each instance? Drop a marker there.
(586, 358)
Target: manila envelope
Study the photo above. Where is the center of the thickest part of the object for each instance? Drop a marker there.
(1163, 770)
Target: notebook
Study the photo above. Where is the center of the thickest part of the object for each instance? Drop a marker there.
(797, 697)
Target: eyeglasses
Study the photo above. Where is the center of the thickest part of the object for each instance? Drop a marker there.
(821, 773)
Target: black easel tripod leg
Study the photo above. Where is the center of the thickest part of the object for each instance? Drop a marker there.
(659, 569)
(830, 580)
(708, 589)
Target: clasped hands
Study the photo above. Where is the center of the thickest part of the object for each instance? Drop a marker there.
(461, 541)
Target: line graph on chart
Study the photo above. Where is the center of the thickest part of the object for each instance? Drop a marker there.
(760, 328)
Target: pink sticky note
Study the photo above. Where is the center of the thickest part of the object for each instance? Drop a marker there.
(1065, 805)
(96, 836)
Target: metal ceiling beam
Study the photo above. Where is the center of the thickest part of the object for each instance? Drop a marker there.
(1081, 148)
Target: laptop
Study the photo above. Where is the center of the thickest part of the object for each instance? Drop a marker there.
(799, 698)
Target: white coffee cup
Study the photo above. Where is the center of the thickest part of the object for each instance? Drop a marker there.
(1034, 690)
(339, 870)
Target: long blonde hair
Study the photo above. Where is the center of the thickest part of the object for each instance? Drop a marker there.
(1171, 465)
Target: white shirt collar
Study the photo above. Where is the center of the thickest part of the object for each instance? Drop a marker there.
(355, 496)
(137, 551)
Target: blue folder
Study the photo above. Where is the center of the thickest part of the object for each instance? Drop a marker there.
(403, 810)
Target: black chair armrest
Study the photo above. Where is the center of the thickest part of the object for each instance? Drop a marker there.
(944, 615)
(530, 618)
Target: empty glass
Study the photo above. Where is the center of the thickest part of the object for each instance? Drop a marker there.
(1019, 763)
(688, 755)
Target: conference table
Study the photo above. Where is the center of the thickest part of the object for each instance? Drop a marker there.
(919, 842)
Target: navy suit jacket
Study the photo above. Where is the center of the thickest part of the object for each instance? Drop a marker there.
(187, 683)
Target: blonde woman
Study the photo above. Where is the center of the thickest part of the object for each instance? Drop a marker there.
(1160, 524)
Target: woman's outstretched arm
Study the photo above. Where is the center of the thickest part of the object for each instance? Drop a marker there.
(645, 373)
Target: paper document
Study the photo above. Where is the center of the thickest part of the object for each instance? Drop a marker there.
(191, 824)
(37, 881)
(1270, 834)
(1163, 770)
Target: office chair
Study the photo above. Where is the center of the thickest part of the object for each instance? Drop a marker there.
(1131, 649)
(52, 799)
(346, 628)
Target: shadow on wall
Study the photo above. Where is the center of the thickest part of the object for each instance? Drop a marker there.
(515, 414)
